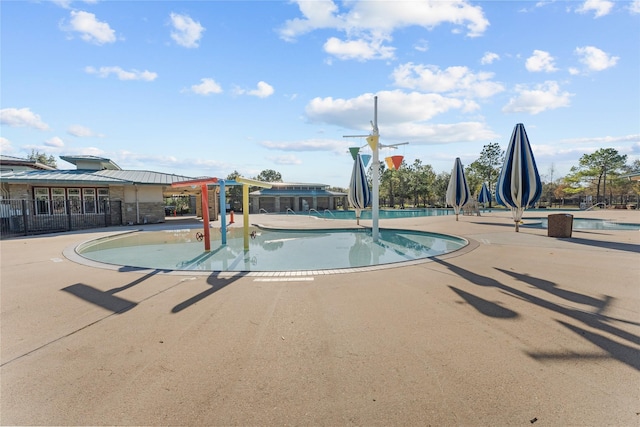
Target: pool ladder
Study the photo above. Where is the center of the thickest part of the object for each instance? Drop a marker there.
(323, 214)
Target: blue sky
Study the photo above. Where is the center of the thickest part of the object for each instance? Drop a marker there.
(208, 87)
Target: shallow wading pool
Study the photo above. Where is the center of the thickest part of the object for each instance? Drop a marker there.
(269, 250)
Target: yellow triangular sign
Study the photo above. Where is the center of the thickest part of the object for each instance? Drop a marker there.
(373, 141)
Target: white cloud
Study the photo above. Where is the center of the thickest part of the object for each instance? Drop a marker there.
(263, 90)
(289, 159)
(600, 7)
(398, 107)
(122, 74)
(457, 81)
(91, 30)
(540, 61)
(306, 145)
(81, 131)
(545, 96)
(55, 142)
(22, 117)
(604, 140)
(206, 87)
(186, 32)
(634, 7)
(358, 49)
(5, 145)
(489, 58)
(423, 45)
(66, 4)
(596, 59)
(369, 23)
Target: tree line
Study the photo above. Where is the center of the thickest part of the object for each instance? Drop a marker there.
(602, 175)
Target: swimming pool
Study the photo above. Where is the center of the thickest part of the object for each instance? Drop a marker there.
(269, 250)
(584, 224)
(382, 213)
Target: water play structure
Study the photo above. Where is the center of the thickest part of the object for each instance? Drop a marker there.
(204, 183)
(373, 141)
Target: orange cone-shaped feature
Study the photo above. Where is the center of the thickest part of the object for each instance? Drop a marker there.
(389, 162)
(397, 161)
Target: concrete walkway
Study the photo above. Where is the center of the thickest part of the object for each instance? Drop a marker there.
(518, 329)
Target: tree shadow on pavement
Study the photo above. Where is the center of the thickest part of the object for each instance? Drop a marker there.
(488, 308)
(596, 320)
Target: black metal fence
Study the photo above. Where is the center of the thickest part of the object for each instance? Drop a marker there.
(28, 217)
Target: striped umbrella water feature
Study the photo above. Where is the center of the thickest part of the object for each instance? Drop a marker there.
(359, 195)
(484, 196)
(458, 190)
(519, 185)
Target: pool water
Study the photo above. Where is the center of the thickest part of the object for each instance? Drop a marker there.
(382, 213)
(584, 224)
(270, 250)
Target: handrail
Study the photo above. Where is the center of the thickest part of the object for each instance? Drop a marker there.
(290, 210)
(263, 209)
(604, 205)
(329, 212)
(315, 210)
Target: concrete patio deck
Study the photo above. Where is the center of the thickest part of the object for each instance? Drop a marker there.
(517, 329)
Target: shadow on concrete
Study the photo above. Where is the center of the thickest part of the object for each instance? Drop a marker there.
(484, 306)
(628, 247)
(107, 299)
(624, 353)
(595, 320)
(553, 289)
(216, 284)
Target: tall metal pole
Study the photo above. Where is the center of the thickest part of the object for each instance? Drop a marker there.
(223, 212)
(375, 174)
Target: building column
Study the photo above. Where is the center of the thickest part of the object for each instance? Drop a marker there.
(277, 204)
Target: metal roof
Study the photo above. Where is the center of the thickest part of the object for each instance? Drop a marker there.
(91, 162)
(144, 177)
(17, 161)
(85, 177)
(271, 192)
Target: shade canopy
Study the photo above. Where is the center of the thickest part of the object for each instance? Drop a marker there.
(458, 190)
(519, 185)
(484, 196)
(359, 195)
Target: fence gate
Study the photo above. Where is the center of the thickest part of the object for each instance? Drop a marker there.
(28, 217)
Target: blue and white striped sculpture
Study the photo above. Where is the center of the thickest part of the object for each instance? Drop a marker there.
(458, 193)
(519, 185)
(359, 193)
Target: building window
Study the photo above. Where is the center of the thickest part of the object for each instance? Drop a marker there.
(89, 196)
(103, 199)
(42, 201)
(58, 201)
(75, 201)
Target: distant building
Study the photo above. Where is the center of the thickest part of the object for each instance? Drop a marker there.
(295, 196)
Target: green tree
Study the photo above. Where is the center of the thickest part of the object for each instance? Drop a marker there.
(37, 156)
(440, 188)
(487, 167)
(596, 166)
(269, 175)
(421, 182)
(234, 192)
